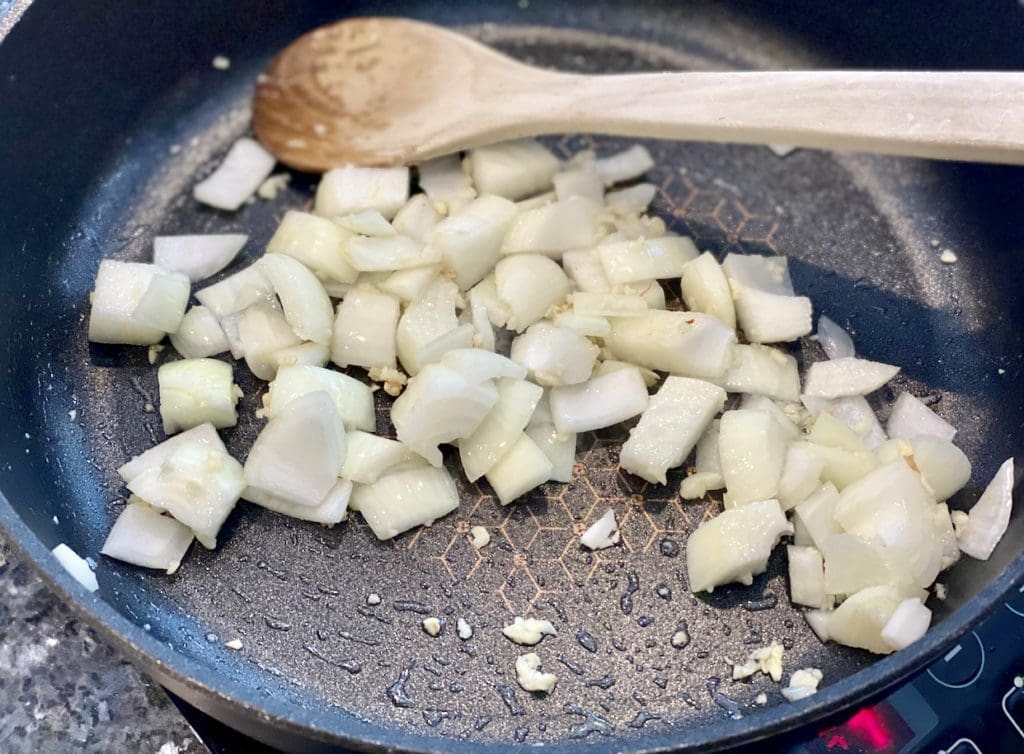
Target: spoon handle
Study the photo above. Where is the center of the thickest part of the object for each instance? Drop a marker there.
(975, 116)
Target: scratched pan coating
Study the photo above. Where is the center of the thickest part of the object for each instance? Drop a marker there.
(857, 230)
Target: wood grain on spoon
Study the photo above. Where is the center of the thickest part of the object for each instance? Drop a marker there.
(383, 91)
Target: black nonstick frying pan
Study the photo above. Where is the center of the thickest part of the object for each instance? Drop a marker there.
(109, 111)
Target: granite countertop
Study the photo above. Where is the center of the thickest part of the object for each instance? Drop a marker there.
(62, 688)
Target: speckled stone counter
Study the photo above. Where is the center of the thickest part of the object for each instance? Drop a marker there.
(63, 689)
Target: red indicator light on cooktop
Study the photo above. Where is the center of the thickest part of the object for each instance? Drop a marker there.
(872, 730)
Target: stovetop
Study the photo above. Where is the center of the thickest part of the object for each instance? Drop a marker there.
(971, 701)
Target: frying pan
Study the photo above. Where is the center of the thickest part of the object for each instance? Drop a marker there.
(109, 113)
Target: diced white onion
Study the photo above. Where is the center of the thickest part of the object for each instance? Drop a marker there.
(752, 448)
(143, 537)
(262, 333)
(651, 378)
(414, 497)
(408, 285)
(204, 435)
(197, 391)
(590, 304)
(513, 169)
(486, 293)
(331, 510)
(582, 182)
(456, 339)
(343, 191)
(655, 258)
(520, 469)
(989, 516)
(801, 474)
(529, 284)
(649, 290)
(316, 242)
(199, 335)
(908, 623)
(818, 621)
(835, 341)
(839, 378)
(481, 322)
(477, 365)
(417, 218)
(368, 457)
(911, 418)
(364, 330)
(560, 448)
(238, 292)
(784, 413)
(601, 534)
(761, 273)
(428, 317)
(634, 199)
(599, 402)
(117, 292)
(197, 257)
(163, 304)
(624, 166)
(806, 577)
(855, 412)
(554, 355)
(77, 566)
(683, 343)
(554, 228)
(246, 165)
(388, 253)
(762, 370)
(306, 305)
(304, 354)
(368, 222)
(352, 399)
(859, 621)
(802, 684)
(480, 451)
(706, 289)
(583, 324)
(445, 182)
(943, 466)
(583, 266)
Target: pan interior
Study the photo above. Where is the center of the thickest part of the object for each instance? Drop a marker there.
(858, 231)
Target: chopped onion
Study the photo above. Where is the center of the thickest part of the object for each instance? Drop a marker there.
(599, 402)
(816, 515)
(388, 253)
(304, 354)
(583, 266)
(554, 228)
(633, 261)
(428, 317)
(528, 631)
(989, 516)
(859, 621)
(759, 273)
(399, 501)
(368, 457)
(529, 675)
(522, 467)
(331, 510)
(477, 365)
(352, 399)
(199, 335)
(197, 257)
(298, 455)
(306, 305)
(752, 448)
(818, 621)
(536, 202)
(624, 166)
(76, 565)
(197, 391)
(839, 378)
(589, 304)
(343, 191)
(706, 289)
(835, 341)
(409, 284)
(480, 451)
(554, 355)
(683, 343)
(582, 182)
(708, 460)
(801, 474)
(770, 318)
(481, 322)
(456, 339)
(529, 284)
(204, 435)
(560, 448)
(143, 537)
(445, 182)
(649, 290)
(734, 545)
(119, 289)
(197, 484)
(246, 165)
(486, 292)
(583, 324)
(651, 378)
(853, 562)
(908, 623)
(855, 412)
(163, 304)
(601, 534)
(670, 427)
(364, 330)
(316, 242)
(238, 292)
(440, 405)
(762, 370)
(368, 222)
(807, 577)
(416, 219)
(782, 413)
(944, 467)
(802, 684)
(513, 169)
(910, 418)
(946, 536)
(634, 199)
(262, 333)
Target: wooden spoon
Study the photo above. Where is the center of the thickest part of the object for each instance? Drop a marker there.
(388, 91)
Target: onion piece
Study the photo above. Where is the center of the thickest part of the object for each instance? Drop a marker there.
(522, 467)
(238, 292)
(477, 365)
(656, 258)
(529, 284)
(989, 516)
(262, 332)
(554, 355)
(734, 545)
(770, 318)
(416, 219)
(783, 413)
(583, 324)
(634, 199)
(624, 166)
(306, 305)
(762, 370)
(946, 536)
(599, 402)
(440, 405)
(670, 427)
(480, 451)
(807, 577)
(583, 266)
(706, 289)
(246, 165)
(199, 335)
(512, 169)
(908, 623)
(801, 474)
(298, 455)
(428, 317)
(388, 253)
(944, 468)
(163, 304)
(333, 509)
(768, 274)
(486, 292)
(859, 621)
(588, 304)
(683, 343)
(368, 222)
(368, 457)
(854, 562)
(554, 228)
(651, 378)
(839, 378)
(143, 537)
(197, 484)
(352, 399)
(364, 330)
(911, 418)
(119, 289)
(343, 191)
(559, 447)
(76, 565)
(197, 391)
(530, 677)
(481, 323)
(304, 354)
(818, 621)
(802, 684)
(445, 182)
(537, 201)
(409, 284)
(707, 458)
(601, 534)
(399, 501)
(752, 448)
(581, 182)
(197, 257)
(316, 242)
(855, 412)
(835, 341)
(457, 339)
(204, 435)
(649, 290)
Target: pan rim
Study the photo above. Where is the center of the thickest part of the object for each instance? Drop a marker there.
(200, 685)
